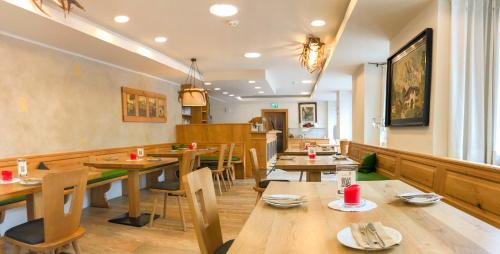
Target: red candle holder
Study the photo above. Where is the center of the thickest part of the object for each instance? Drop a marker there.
(191, 147)
(133, 156)
(352, 195)
(6, 175)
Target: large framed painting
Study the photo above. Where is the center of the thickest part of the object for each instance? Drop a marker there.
(408, 89)
(308, 112)
(143, 106)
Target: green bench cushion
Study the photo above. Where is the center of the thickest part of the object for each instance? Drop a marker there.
(106, 175)
(373, 176)
(215, 158)
(12, 200)
(368, 164)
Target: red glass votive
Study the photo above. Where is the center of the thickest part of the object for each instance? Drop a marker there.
(133, 156)
(352, 195)
(191, 147)
(312, 156)
(6, 175)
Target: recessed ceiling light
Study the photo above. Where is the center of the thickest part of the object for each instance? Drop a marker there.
(122, 19)
(208, 83)
(160, 39)
(304, 93)
(261, 91)
(251, 81)
(318, 23)
(257, 87)
(224, 92)
(217, 88)
(223, 10)
(307, 81)
(252, 55)
(231, 95)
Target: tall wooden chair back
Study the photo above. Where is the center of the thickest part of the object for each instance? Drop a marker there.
(222, 154)
(344, 147)
(203, 205)
(230, 155)
(255, 167)
(188, 164)
(57, 223)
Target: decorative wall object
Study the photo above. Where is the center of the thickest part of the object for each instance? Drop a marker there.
(408, 89)
(308, 112)
(143, 106)
(313, 54)
(190, 95)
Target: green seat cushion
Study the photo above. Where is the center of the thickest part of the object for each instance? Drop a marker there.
(215, 158)
(373, 176)
(12, 200)
(368, 164)
(110, 174)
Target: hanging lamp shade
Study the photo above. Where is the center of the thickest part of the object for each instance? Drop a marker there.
(190, 95)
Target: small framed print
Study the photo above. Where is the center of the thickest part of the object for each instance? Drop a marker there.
(143, 106)
(307, 112)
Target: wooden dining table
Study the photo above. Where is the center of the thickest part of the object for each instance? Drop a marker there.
(134, 217)
(303, 152)
(313, 168)
(313, 227)
(33, 193)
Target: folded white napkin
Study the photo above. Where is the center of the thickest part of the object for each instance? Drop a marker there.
(363, 238)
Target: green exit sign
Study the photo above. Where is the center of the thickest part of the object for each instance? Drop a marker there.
(274, 105)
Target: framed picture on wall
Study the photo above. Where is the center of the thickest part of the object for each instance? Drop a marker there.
(308, 112)
(408, 89)
(143, 106)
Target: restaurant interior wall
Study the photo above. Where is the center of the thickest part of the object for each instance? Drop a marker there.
(345, 115)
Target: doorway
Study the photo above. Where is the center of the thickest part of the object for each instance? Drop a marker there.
(278, 120)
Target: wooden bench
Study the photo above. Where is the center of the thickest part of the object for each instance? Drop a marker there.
(73, 160)
(471, 187)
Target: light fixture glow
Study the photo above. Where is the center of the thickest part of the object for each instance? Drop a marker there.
(313, 54)
(261, 91)
(304, 93)
(257, 87)
(122, 19)
(208, 83)
(307, 81)
(252, 55)
(318, 23)
(231, 95)
(224, 92)
(223, 10)
(160, 39)
(251, 81)
(217, 88)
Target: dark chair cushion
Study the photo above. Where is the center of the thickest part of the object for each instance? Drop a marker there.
(30, 232)
(166, 186)
(265, 183)
(12, 200)
(110, 174)
(368, 164)
(224, 248)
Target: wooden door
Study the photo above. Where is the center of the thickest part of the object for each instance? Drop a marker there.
(278, 120)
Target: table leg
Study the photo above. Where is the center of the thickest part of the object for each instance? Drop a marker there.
(34, 205)
(134, 217)
(314, 176)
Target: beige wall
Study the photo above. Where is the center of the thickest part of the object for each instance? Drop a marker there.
(358, 105)
(51, 101)
(431, 139)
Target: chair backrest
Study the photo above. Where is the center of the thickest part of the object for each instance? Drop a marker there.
(344, 147)
(57, 223)
(188, 164)
(222, 154)
(200, 194)
(230, 155)
(255, 166)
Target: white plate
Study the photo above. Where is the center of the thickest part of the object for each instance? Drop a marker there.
(31, 181)
(366, 205)
(283, 205)
(14, 180)
(345, 238)
(419, 200)
(282, 196)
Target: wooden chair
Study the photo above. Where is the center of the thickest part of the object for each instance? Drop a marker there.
(260, 184)
(344, 147)
(57, 228)
(219, 171)
(203, 206)
(174, 188)
(230, 172)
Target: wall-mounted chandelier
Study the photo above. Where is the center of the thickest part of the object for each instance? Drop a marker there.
(65, 5)
(313, 54)
(190, 95)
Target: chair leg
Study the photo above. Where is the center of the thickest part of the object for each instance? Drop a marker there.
(182, 213)
(76, 247)
(233, 173)
(223, 181)
(301, 174)
(218, 183)
(155, 203)
(229, 179)
(165, 197)
(259, 195)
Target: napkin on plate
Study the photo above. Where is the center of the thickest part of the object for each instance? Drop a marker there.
(361, 238)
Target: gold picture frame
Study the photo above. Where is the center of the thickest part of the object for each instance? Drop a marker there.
(143, 106)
